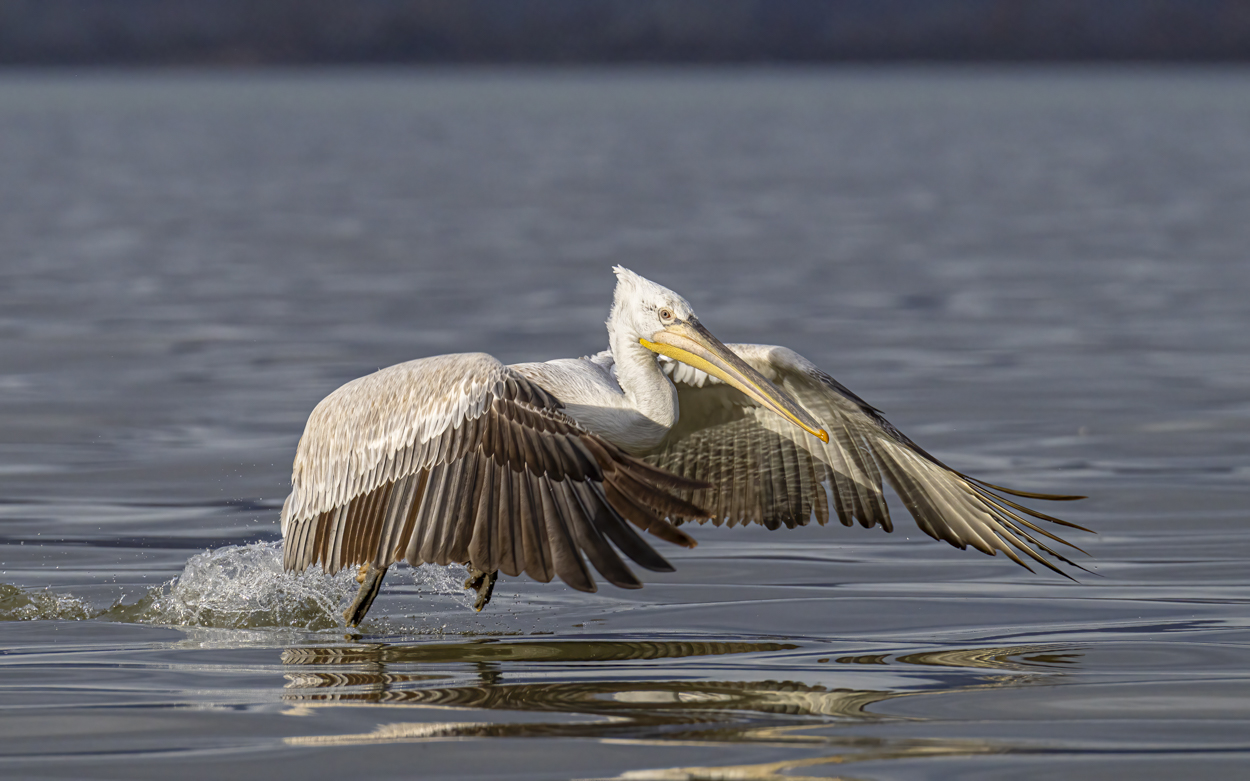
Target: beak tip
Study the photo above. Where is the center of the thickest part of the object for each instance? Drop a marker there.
(824, 436)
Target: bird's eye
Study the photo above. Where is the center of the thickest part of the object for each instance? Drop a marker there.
(666, 315)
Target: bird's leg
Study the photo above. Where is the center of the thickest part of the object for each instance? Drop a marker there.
(370, 580)
(483, 583)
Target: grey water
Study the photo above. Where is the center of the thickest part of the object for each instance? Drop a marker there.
(1042, 276)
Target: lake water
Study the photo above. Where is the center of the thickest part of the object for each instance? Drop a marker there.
(1043, 276)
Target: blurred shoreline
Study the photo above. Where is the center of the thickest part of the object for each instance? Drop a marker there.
(572, 32)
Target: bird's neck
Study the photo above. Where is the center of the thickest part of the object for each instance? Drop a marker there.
(647, 389)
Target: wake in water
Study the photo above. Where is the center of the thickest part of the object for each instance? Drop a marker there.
(235, 587)
(17, 604)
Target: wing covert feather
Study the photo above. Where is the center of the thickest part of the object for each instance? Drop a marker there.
(459, 459)
(764, 470)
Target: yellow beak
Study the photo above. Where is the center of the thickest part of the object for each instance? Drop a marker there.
(691, 343)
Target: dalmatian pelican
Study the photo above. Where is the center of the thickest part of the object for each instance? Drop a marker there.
(550, 469)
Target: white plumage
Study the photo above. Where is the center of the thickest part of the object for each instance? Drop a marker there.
(542, 467)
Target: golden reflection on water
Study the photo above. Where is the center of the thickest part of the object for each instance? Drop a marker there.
(528, 651)
(650, 704)
(781, 771)
(1011, 658)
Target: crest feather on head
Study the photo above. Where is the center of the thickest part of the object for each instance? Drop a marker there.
(626, 281)
(632, 288)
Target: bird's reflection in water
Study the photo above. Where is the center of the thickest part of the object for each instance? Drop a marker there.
(649, 703)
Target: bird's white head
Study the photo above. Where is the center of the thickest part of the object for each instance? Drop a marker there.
(640, 307)
(651, 315)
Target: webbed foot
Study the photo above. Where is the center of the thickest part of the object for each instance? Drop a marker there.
(483, 583)
(370, 580)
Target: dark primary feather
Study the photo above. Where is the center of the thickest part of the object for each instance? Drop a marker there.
(522, 488)
(762, 469)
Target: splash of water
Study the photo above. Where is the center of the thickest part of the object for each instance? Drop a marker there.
(245, 587)
(17, 604)
(447, 581)
(235, 587)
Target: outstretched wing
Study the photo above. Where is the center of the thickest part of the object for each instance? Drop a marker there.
(459, 459)
(762, 469)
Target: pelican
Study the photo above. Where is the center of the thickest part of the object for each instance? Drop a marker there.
(539, 468)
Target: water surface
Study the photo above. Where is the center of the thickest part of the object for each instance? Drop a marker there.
(1041, 276)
